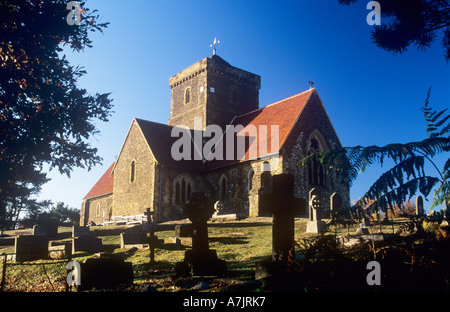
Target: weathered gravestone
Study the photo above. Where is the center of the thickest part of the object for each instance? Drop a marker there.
(283, 206)
(86, 243)
(31, 247)
(105, 273)
(315, 224)
(419, 206)
(152, 240)
(200, 260)
(130, 240)
(183, 230)
(81, 231)
(49, 228)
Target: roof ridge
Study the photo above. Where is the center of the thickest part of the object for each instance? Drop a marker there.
(277, 102)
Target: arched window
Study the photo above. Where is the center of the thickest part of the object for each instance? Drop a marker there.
(223, 185)
(316, 172)
(250, 175)
(187, 95)
(183, 187)
(133, 171)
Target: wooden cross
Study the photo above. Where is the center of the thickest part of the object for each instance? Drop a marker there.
(283, 205)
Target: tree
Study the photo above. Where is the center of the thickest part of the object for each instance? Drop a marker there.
(411, 22)
(44, 212)
(45, 118)
(407, 177)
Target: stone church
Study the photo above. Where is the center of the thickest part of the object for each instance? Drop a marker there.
(217, 141)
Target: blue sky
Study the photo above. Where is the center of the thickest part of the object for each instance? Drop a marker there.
(371, 96)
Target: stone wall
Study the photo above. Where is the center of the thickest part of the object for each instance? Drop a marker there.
(133, 197)
(96, 209)
(313, 120)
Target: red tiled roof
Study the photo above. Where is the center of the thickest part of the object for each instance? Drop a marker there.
(103, 186)
(283, 114)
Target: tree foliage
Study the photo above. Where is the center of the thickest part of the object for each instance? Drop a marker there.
(45, 118)
(407, 177)
(411, 22)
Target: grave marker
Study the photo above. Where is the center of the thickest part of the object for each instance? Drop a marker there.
(283, 206)
(315, 224)
(31, 247)
(86, 243)
(200, 260)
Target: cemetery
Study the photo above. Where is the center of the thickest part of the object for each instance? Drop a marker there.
(201, 253)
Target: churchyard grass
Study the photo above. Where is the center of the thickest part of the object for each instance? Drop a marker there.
(240, 243)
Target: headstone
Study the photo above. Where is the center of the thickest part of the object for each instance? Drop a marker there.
(105, 273)
(86, 243)
(49, 228)
(80, 231)
(200, 260)
(130, 240)
(315, 224)
(335, 202)
(31, 247)
(419, 205)
(283, 206)
(153, 240)
(183, 230)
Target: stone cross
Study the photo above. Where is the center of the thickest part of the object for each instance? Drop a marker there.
(200, 261)
(314, 205)
(283, 206)
(419, 205)
(315, 225)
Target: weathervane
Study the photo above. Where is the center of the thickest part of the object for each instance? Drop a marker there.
(213, 45)
(311, 83)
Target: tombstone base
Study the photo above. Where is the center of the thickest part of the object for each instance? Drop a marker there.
(203, 263)
(316, 227)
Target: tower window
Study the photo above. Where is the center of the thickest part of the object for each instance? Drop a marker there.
(187, 96)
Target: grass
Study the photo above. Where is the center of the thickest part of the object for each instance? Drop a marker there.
(241, 243)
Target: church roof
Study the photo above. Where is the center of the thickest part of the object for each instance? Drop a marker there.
(103, 186)
(283, 114)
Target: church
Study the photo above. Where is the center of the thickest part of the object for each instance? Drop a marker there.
(220, 142)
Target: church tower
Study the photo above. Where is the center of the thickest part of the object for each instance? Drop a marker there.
(213, 90)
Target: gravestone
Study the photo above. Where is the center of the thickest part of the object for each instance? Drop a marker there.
(130, 240)
(80, 231)
(86, 243)
(200, 260)
(315, 224)
(419, 205)
(183, 230)
(49, 228)
(31, 247)
(105, 273)
(283, 206)
(152, 240)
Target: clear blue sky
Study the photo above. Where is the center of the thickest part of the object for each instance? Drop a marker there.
(371, 96)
